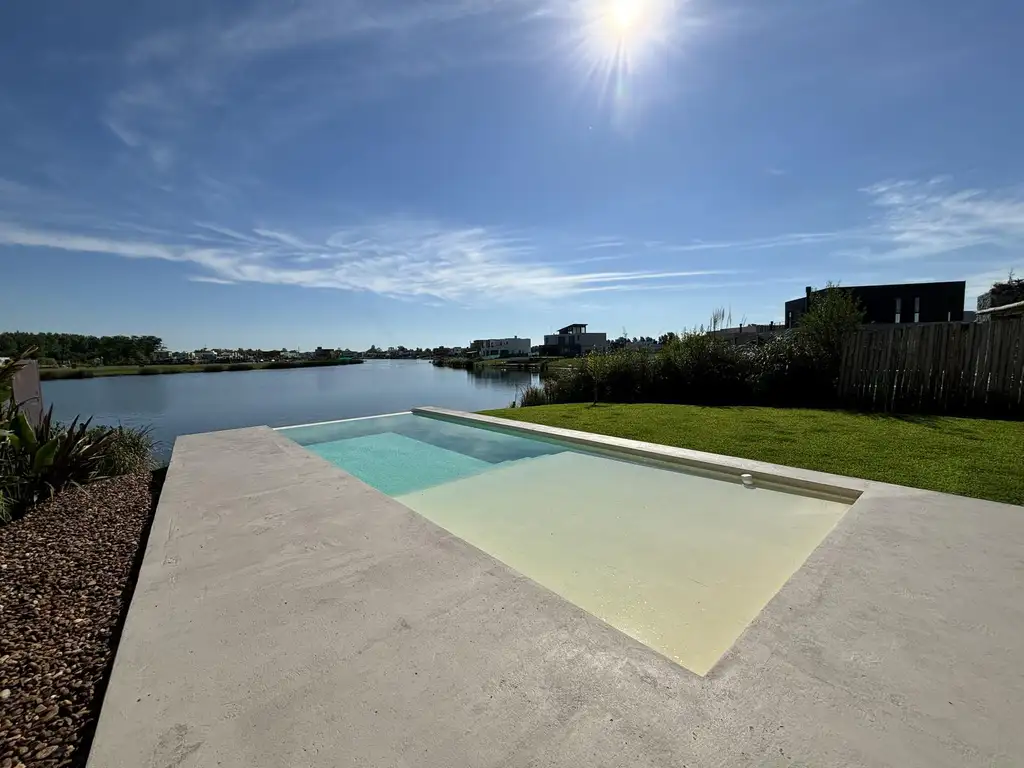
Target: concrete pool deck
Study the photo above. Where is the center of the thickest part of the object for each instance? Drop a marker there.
(287, 614)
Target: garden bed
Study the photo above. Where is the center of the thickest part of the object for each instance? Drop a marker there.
(67, 570)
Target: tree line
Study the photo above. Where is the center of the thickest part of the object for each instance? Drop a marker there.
(78, 349)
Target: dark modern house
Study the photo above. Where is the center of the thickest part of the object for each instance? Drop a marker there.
(901, 303)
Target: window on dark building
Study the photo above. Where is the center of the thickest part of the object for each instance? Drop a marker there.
(899, 309)
(917, 310)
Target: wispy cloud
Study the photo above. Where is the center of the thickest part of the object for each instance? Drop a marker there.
(410, 258)
(599, 244)
(914, 220)
(172, 79)
(924, 219)
(128, 138)
(399, 258)
(759, 243)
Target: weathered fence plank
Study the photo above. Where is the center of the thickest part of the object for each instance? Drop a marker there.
(975, 369)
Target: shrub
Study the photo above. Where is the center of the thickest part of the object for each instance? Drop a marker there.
(532, 395)
(37, 462)
(147, 370)
(702, 369)
(73, 373)
(1008, 292)
(786, 370)
(799, 367)
(214, 368)
(240, 367)
(129, 450)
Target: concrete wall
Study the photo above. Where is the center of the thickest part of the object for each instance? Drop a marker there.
(28, 392)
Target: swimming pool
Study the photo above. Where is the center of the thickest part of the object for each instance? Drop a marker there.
(681, 561)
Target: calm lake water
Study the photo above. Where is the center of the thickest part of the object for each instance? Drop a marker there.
(185, 403)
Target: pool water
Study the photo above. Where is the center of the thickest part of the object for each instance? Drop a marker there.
(681, 562)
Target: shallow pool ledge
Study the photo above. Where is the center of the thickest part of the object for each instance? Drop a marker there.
(288, 614)
(767, 475)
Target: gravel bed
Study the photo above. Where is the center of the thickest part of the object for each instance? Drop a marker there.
(66, 573)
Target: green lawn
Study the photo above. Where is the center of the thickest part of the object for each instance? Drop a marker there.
(970, 457)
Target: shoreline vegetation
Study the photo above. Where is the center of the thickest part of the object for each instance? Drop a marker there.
(505, 363)
(90, 372)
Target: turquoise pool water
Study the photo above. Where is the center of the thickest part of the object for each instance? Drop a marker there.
(678, 561)
(402, 453)
(396, 464)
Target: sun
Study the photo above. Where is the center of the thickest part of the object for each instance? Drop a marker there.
(613, 29)
(623, 16)
(620, 44)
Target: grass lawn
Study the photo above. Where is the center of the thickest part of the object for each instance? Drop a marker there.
(970, 457)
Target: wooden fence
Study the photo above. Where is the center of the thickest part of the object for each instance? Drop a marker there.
(958, 368)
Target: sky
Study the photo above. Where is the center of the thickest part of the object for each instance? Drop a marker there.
(421, 172)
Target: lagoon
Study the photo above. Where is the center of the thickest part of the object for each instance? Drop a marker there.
(187, 403)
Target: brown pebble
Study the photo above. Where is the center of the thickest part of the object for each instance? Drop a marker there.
(69, 557)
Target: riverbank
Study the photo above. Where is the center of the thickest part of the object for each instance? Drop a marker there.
(967, 457)
(506, 363)
(51, 374)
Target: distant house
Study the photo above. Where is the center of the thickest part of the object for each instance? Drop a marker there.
(745, 334)
(896, 304)
(488, 349)
(574, 340)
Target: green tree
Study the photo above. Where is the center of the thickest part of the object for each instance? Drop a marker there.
(833, 316)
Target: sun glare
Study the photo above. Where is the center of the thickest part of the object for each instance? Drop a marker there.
(617, 35)
(624, 15)
(618, 25)
(618, 44)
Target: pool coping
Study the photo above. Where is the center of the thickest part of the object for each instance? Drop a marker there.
(286, 613)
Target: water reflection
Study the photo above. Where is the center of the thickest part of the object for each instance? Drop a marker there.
(201, 402)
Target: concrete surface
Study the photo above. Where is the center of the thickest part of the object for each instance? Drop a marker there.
(288, 615)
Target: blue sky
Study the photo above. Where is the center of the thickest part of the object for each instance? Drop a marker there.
(348, 172)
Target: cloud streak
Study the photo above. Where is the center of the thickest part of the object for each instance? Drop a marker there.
(398, 258)
(919, 220)
(408, 258)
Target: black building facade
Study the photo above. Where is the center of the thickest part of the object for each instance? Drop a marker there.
(902, 303)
